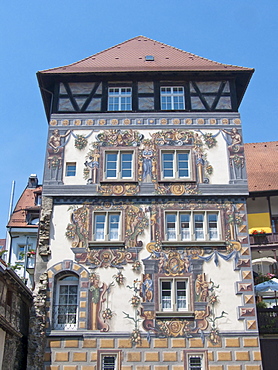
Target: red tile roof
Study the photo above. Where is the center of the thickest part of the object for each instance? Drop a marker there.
(262, 166)
(26, 202)
(130, 56)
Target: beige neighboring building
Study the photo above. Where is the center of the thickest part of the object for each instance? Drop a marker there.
(143, 258)
(262, 209)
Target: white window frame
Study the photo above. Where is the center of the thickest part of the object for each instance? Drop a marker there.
(119, 165)
(107, 226)
(190, 233)
(70, 172)
(61, 282)
(173, 298)
(175, 167)
(188, 355)
(117, 98)
(169, 96)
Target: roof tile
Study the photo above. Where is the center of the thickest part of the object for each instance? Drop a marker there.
(130, 56)
(262, 166)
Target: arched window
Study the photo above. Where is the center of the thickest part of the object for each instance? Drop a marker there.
(66, 303)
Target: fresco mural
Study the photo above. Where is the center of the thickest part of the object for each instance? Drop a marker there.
(141, 219)
(147, 161)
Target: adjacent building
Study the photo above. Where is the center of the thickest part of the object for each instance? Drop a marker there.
(23, 231)
(262, 209)
(15, 303)
(143, 257)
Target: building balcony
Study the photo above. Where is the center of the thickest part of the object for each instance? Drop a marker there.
(268, 320)
(265, 239)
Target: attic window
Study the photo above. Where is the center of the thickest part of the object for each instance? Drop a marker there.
(149, 58)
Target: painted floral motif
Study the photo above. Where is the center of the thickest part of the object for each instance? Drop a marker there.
(80, 142)
(119, 138)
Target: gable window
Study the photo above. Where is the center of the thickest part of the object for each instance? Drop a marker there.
(70, 169)
(173, 294)
(65, 310)
(119, 165)
(172, 98)
(107, 226)
(119, 98)
(188, 226)
(175, 164)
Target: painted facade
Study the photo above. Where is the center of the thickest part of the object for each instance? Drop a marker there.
(143, 255)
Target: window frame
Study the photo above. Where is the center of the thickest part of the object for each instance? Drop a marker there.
(120, 97)
(191, 353)
(174, 296)
(172, 95)
(106, 238)
(120, 151)
(62, 282)
(70, 172)
(192, 227)
(109, 353)
(175, 167)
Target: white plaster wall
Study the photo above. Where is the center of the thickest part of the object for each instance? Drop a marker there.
(218, 158)
(60, 246)
(225, 276)
(73, 154)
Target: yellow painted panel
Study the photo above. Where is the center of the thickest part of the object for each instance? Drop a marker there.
(259, 221)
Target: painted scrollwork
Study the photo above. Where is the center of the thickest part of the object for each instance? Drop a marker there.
(78, 229)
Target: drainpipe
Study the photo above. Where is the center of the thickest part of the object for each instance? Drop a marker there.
(8, 236)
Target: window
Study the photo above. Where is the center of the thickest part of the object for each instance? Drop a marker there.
(119, 98)
(174, 294)
(172, 98)
(65, 310)
(119, 165)
(109, 360)
(188, 226)
(107, 226)
(274, 224)
(70, 169)
(21, 252)
(175, 165)
(195, 361)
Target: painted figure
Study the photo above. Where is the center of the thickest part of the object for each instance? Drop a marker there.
(202, 288)
(147, 155)
(235, 136)
(55, 140)
(96, 305)
(147, 288)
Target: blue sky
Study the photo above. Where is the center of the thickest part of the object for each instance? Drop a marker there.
(38, 35)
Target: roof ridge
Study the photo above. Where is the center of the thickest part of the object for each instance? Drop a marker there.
(262, 142)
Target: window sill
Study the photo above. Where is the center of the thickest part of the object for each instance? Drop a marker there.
(110, 244)
(177, 181)
(170, 315)
(190, 243)
(121, 181)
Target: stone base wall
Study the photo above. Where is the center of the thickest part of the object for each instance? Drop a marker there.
(233, 353)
